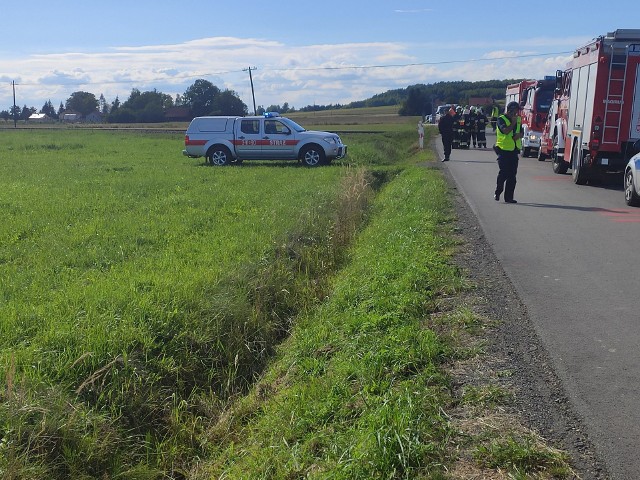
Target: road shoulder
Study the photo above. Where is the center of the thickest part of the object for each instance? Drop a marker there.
(512, 345)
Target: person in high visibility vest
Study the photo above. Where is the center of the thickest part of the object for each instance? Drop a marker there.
(495, 111)
(508, 143)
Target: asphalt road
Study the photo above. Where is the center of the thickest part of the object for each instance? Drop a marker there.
(572, 253)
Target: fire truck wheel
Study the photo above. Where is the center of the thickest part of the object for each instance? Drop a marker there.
(526, 152)
(630, 196)
(559, 165)
(541, 156)
(579, 173)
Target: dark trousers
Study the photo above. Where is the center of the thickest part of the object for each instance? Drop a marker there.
(508, 164)
(447, 140)
(474, 135)
(482, 138)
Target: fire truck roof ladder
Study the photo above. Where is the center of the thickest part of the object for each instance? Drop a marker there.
(615, 90)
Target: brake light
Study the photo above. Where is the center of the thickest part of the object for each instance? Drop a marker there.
(186, 140)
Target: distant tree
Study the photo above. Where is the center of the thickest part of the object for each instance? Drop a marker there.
(152, 113)
(200, 97)
(121, 115)
(103, 107)
(147, 107)
(60, 109)
(5, 115)
(27, 112)
(48, 110)
(82, 102)
(15, 112)
(417, 102)
(228, 103)
(115, 105)
(178, 101)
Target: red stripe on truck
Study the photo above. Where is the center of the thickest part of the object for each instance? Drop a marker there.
(188, 141)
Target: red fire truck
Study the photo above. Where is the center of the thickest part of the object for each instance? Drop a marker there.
(534, 97)
(595, 116)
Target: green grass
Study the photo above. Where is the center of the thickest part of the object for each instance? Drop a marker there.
(358, 388)
(160, 318)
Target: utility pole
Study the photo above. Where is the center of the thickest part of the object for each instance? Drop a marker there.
(255, 111)
(15, 120)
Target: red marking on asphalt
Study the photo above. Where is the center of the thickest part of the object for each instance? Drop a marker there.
(623, 216)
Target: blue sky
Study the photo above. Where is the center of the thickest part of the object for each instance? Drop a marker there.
(305, 52)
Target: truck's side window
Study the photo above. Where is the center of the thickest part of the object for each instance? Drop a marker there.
(250, 127)
(273, 126)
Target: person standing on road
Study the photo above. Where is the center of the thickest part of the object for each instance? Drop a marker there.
(481, 124)
(495, 111)
(508, 143)
(445, 127)
(472, 122)
(421, 134)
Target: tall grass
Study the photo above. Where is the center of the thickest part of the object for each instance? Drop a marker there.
(141, 291)
(358, 390)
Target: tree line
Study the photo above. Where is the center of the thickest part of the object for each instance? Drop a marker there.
(201, 98)
(204, 98)
(421, 99)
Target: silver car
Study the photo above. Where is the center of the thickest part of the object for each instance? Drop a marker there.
(631, 179)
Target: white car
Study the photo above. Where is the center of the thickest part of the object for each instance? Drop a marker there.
(631, 180)
(224, 140)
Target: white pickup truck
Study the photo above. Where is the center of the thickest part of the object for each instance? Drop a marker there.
(225, 140)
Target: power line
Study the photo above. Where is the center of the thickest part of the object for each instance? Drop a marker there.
(399, 65)
(351, 67)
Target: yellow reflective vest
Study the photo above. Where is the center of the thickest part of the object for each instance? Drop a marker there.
(505, 141)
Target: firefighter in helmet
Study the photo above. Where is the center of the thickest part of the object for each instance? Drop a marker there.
(472, 122)
(508, 143)
(481, 125)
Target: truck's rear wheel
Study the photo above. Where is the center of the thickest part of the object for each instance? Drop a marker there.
(312, 156)
(579, 174)
(219, 155)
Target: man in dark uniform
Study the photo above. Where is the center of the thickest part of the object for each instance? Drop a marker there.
(472, 123)
(445, 127)
(481, 127)
(508, 141)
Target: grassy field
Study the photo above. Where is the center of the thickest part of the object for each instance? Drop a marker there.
(161, 318)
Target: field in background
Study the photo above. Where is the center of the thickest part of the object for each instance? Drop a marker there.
(354, 119)
(377, 119)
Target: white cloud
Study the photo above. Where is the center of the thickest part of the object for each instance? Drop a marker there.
(299, 75)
